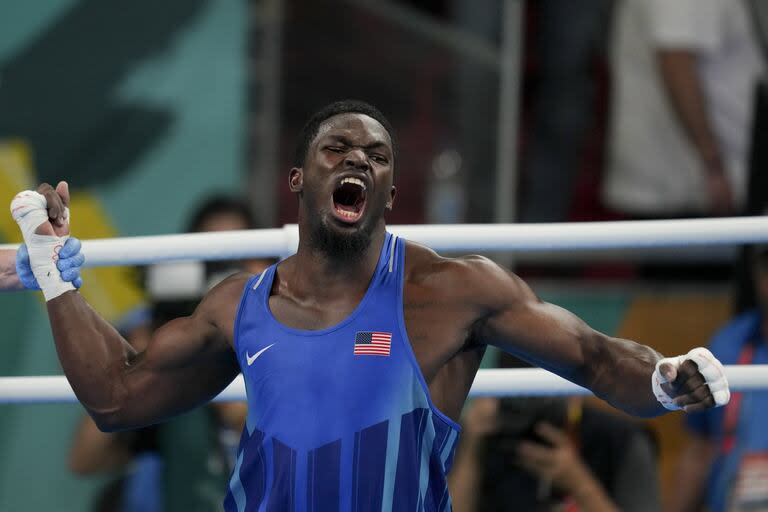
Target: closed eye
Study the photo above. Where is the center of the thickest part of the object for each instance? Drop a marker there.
(380, 159)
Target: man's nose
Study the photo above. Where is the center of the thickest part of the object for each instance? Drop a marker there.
(356, 159)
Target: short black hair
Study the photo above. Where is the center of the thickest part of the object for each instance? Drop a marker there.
(221, 204)
(309, 132)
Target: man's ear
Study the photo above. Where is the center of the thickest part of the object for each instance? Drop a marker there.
(296, 179)
(391, 201)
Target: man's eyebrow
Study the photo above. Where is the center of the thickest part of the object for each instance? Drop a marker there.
(373, 145)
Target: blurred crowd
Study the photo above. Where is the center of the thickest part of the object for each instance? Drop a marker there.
(677, 85)
(679, 82)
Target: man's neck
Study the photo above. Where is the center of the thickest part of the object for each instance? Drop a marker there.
(318, 273)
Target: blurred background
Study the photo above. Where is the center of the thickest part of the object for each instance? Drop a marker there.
(505, 110)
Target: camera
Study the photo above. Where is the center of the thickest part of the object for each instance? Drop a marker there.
(518, 417)
(505, 481)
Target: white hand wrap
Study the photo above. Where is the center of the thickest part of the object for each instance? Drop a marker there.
(709, 367)
(29, 210)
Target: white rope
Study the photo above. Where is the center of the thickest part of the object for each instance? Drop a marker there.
(521, 382)
(462, 237)
(446, 237)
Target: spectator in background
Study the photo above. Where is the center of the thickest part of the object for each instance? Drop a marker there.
(551, 454)
(155, 478)
(725, 461)
(568, 37)
(684, 73)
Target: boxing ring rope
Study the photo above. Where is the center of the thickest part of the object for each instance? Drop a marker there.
(519, 382)
(283, 241)
(462, 237)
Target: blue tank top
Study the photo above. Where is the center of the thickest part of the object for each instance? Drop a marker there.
(338, 418)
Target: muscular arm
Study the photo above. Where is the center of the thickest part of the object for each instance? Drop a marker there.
(512, 318)
(8, 278)
(188, 361)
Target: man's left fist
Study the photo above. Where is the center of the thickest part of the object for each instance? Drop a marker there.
(693, 382)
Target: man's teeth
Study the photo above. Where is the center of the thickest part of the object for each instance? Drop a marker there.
(345, 213)
(354, 181)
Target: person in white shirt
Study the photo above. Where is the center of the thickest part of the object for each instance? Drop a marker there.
(684, 73)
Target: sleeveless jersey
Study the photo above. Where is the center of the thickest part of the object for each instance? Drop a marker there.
(338, 418)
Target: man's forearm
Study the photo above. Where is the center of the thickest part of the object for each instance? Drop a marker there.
(679, 73)
(92, 353)
(621, 373)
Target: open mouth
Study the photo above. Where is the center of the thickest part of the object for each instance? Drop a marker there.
(349, 200)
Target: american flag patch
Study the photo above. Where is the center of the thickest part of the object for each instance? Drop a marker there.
(369, 343)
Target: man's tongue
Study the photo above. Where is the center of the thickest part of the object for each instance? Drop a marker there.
(349, 212)
(346, 208)
(348, 201)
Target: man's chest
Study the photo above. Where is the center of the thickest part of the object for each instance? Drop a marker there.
(437, 327)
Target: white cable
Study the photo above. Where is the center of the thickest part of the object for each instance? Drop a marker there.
(521, 382)
(446, 237)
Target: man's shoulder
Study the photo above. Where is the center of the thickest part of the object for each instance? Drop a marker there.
(471, 275)
(226, 293)
(235, 282)
(423, 262)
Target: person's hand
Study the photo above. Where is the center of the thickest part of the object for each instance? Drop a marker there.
(482, 418)
(43, 217)
(57, 201)
(557, 463)
(720, 193)
(69, 262)
(693, 382)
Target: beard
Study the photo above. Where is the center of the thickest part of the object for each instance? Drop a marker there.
(342, 247)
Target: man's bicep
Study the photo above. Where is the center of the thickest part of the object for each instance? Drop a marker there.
(548, 336)
(200, 339)
(518, 322)
(180, 343)
(543, 334)
(187, 363)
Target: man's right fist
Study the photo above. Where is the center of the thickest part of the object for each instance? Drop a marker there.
(693, 382)
(46, 210)
(43, 218)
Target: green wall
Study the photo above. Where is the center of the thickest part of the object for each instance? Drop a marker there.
(167, 130)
